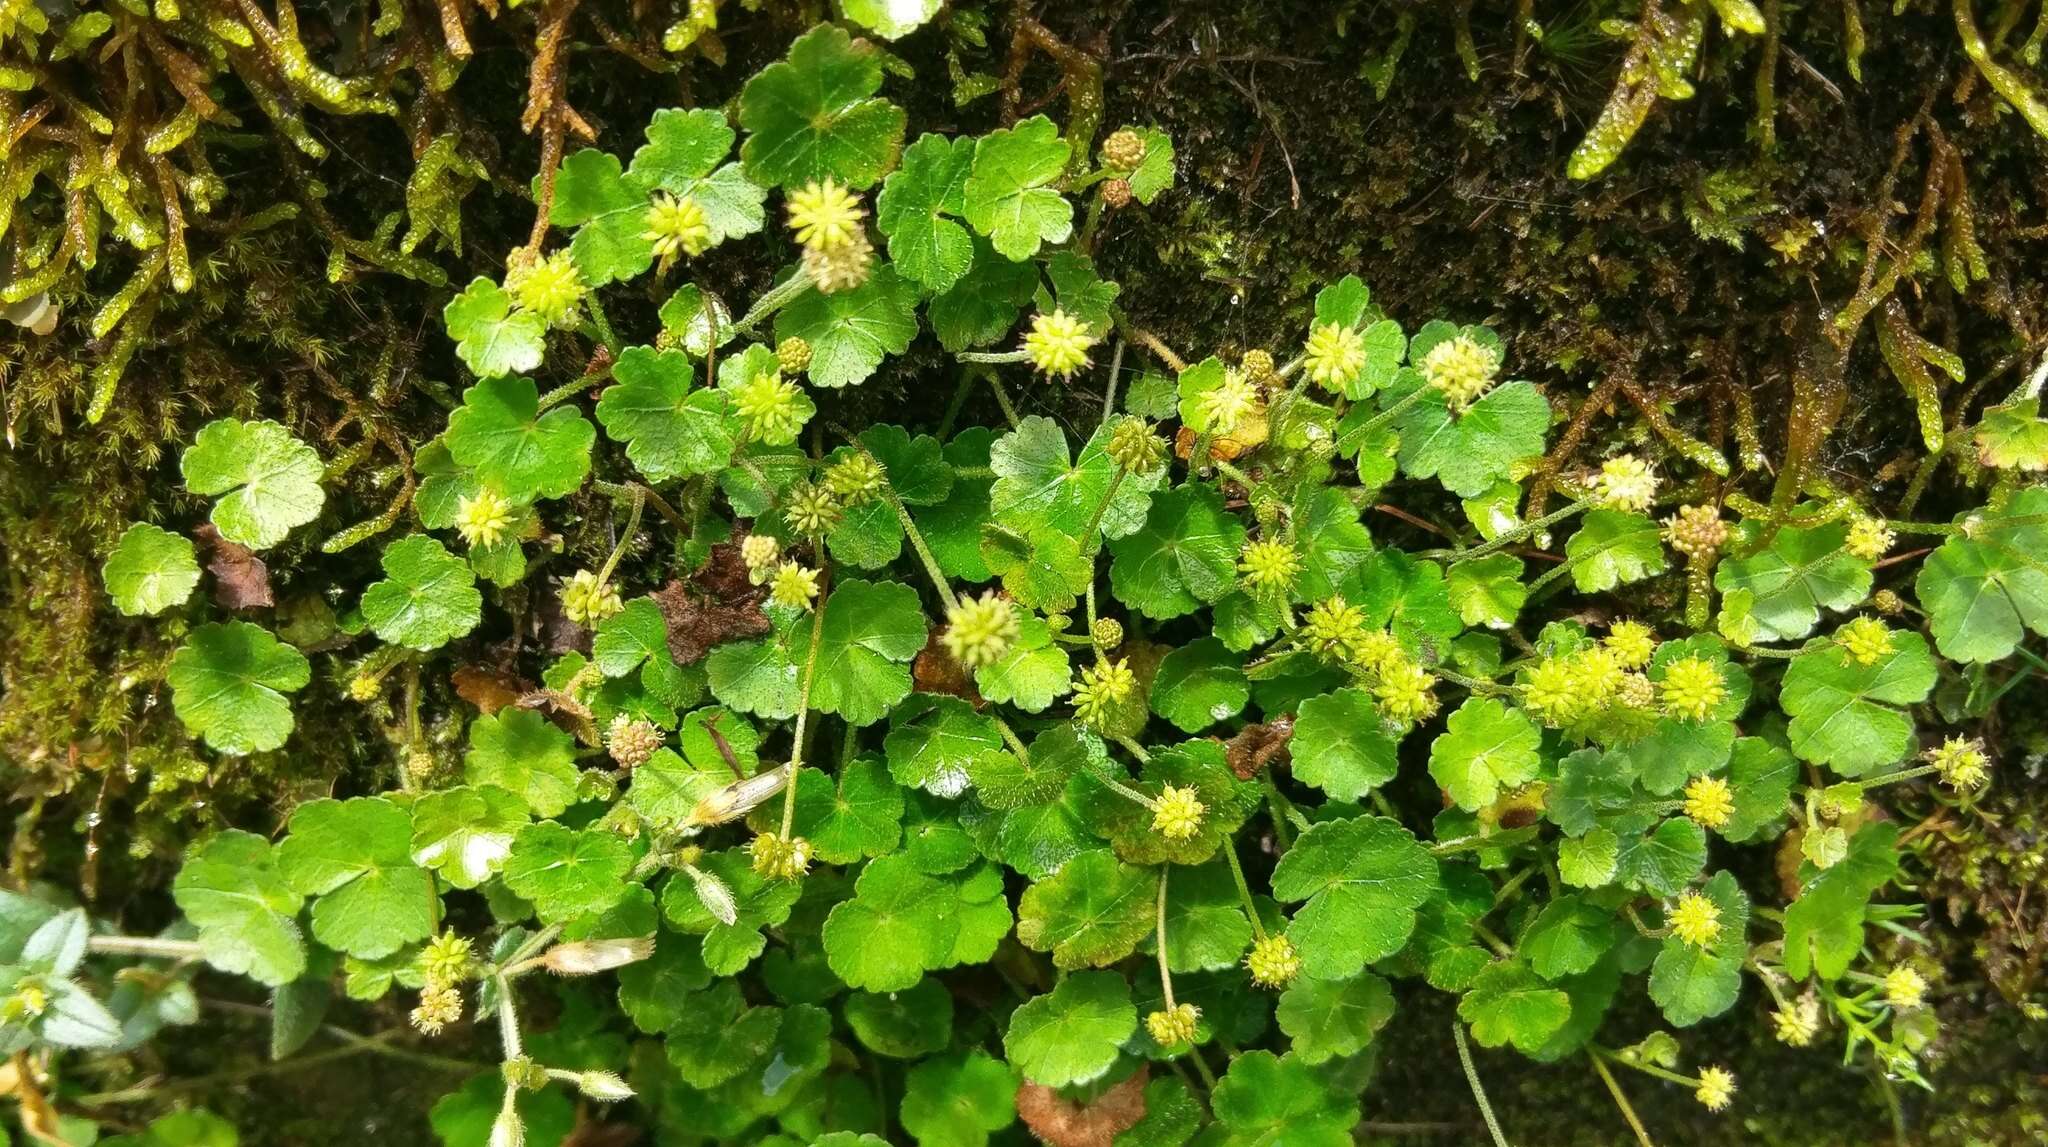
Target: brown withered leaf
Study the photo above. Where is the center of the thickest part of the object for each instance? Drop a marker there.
(488, 689)
(1257, 746)
(717, 604)
(1064, 1123)
(241, 580)
(935, 671)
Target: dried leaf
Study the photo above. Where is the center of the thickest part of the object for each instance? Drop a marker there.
(241, 580)
(716, 605)
(488, 689)
(1257, 746)
(1064, 1123)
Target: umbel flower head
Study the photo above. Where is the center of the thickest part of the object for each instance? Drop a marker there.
(1696, 531)
(1258, 366)
(587, 601)
(1797, 1023)
(760, 552)
(1693, 688)
(485, 519)
(1180, 812)
(980, 630)
(1335, 627)
(1625, 482)
(631, 740)
(1174, 1025)
(1565, 690)
(1057, 343)
(793, 586)
(841, 268)
(1960, 763)
(771, 408)
(1134, 447)
(1631, 642)
(1462, 368)
(811, 509)
(855, 479)
(1904, 988)
(677, 225)
(1866, 640)
(1696, 920)
(1869, 538)
(1124, 150)
(1269, 566)
(447, 958)
(793, 355)
(1405, 692)
(1105, 686)
(440, 1005)
(780, 858)
(1716, 1088)
(550, 287)
(1273, 962)
(1230, 403)
(1106, 633)
(1333, 356)
(1709, 801)
(825, 215)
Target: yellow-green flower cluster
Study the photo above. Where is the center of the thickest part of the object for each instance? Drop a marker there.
(760, 552)
(1904, 988)
(485, 519)
(1273, 962)
(1405, 692)
(631, 740)
(1709, 801)
(550, 287)
(1568, 690)
(825, 215)
(1057, 343)
(1865, 640)
(1334, 355)
(841, 268)
(1269, 566)
(1696, 531)
(979, 630)
(1696, 920)
(1229, 403)
(1869, 538)
(811, 509)
(793, 586)
(587, 601)
(439, 1006)
(1134, 446)
(677, 225)
(1334, 628)
(1625, 482)
(1631, 642)
(445, 962)
(1716, 1088)
(1124, 150)
(1179, 813)
(1796, 1024)
(1105, 687)
(855, 479)
(1693, 688)
(1174, 1025)
(793, 355)
(770, 408)
(1462, 368)
(778, 857)
(1960, 763)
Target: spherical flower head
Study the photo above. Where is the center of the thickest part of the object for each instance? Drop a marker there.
(1462, 368)
(1696, 920)
(855, 479)
(1134, 447)
(811, 509)
(1693, 688)
(1796, 1024)
(1258, 366)
(1636, 693)
(1273, 962)
(29, 1000)
(1552, 693)
(1116, 193)
(771, 408)
(1333, 356)
(1104, 687)
(793, 355)
(485, 519)
(587, 601)
(841, 268)
(1269, 567)
(1174, 1025)
(780, 858)
(551, 287)
(1599, 675)
(1625, 483)
(1888, 603)
(1904, 988)
(440, 1005)
(1632, 643)
(1180, 812)
(1124, 150)
(1716, 1088)
(1960, 763)
(1696, 531)
(1107, 633)
(1869, 538)
(1406, 692)
(1866, 640)
(364, 688)
(1057, 343)
(760, 552)
(677, 225)
(1230, 403)
(980, 630)
(1376, 651)
(446, 959)
(1334, 627)
(793, 586)
(631, 740)
(1709, 801)
(825, 215)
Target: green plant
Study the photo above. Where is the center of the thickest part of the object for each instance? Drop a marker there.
(756, 753)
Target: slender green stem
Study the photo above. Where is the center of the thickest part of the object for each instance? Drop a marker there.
(1894, 778)
(1159, 940)
(1522, 531)
(1134, 748)
(1620, 1100)
(626, 490)
(1092, 538)
(378, 1044)
(803, 705)
(1244, 890)
(1392, 412)
(567, 390)
(954, 404)
(1280, 807)
(1478, 1092)
(992, 357)
(155, 947)
(1202, 1068)
(1003, 399)
(1649, 1069)
(508, 1019)
(611, 563)
(774, 299)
